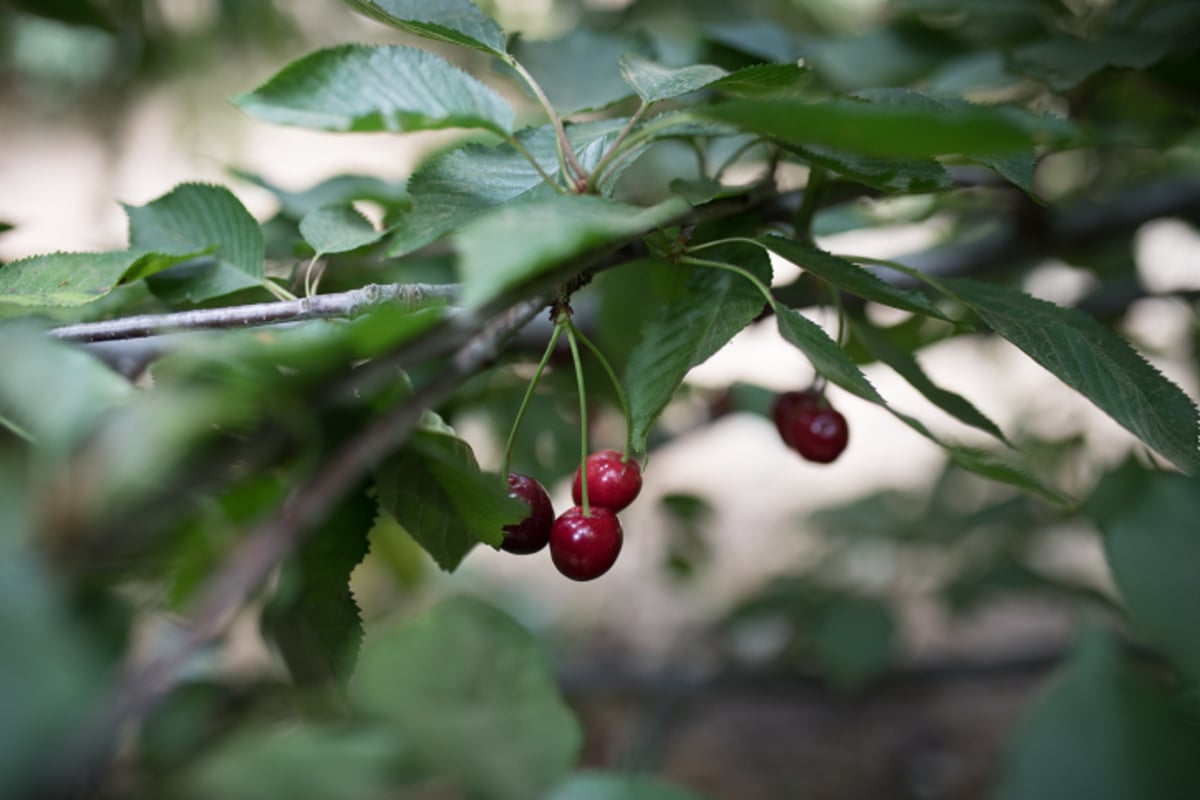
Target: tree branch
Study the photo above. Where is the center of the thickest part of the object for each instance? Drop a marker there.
(344, 304)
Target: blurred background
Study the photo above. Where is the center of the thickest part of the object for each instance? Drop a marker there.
(774, 628)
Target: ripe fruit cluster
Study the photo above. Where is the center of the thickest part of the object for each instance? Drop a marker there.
(582, 546)
(810, 426)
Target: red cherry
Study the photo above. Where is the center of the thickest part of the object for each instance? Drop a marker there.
(530, 534)
(584, 548)
(820, 434)
(787, 406)
(613, 483)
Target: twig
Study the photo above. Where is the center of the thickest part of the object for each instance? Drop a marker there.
(249, 565)
(343, 304)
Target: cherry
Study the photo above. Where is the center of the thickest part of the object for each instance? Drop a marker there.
(530, 534)
(584, 548)
(810, 426)
(613, 482)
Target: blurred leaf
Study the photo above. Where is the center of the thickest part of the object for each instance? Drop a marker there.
(72, 279)
(434, 488)
(382, 88)
(452, 188)
(851, 277)
(1151, 538)
(300, 761)
(194, 218)
(654, 82)
(1064, 62)
(884, 129)
(755, 36)
(888, 55)
(1095, 362)
(313, 617)
(338, 190)
(714, 306)
(1105, 732)
(337, 229)
(454, 21)
(887, 174)
(54, 392)
(906, 365)
(518, 242)
(590, 785)
(474, 695)
(578, 71)
(854, 640)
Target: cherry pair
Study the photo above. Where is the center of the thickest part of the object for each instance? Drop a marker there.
(582, 546)
(810, 426)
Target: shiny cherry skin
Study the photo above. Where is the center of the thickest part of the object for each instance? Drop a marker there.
(532, 533)
(787, 406)
(584, 548)
(613, 483)
(819, 434)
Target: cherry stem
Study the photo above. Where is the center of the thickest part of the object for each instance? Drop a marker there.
(520, 148)
(622, 399)
(565, 323)
(613, 151)
(566, 152)
(745, 273)
(537, 376)
(734, 156)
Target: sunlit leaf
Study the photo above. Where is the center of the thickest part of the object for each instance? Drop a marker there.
(336, 229)
(455, 21)
(654, 82)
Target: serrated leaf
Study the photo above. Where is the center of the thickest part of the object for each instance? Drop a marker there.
(474, 694)
(906, 365)
(193, 218)
(826, 357)
(654, 82)
(72, 279)
(452, 188)
(454, 21)
(313, 617)
(1095, 362)
(885, 130)
(1105, 731)
(435, 489)
(712, 308)
(1152, 543)
(382, 88)
(764, 79)
(337, 229)
(851, 277)
(910, 175)
(518, 242)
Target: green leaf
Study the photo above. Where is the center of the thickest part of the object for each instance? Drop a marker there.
(764, 79)
(382, 88)
(474, 694)
(851, 277)
(827, 358)
(300, 761)
(910, 175)
(54, 392)
(72, 279)
(452, 188)
(1064, 62)
(313, 617)
(558, 67)
(435, 489)
(518, 242)
(337, 229)
(1105, 732)
(1153, 546)
(654, 82)
(885, 130)
(854, 640)
(906, 365)
(454, 21)
(1095, 362)
(200, 218)
(713, 306)
(338, 190)
(592, 785)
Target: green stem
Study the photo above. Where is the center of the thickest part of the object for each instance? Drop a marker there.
(593, 181)
(520, 148)
(537, 376)
(622, 399)
(277, 290)
(745, 273)
(728, 240)
(583, 429)
(729, 162)
(632, 142)
(817, 181)
(567, 152)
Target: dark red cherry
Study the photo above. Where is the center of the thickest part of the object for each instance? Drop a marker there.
(530, 534)
(584, 548)
(613, 483)
(787, 406)
(819, 434)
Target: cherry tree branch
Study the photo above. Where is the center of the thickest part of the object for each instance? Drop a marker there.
(344, 304)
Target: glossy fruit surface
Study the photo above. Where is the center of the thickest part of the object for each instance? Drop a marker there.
(787, 406)
(612, 482)
(819, 434)
(532, 533)
(584, 548)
